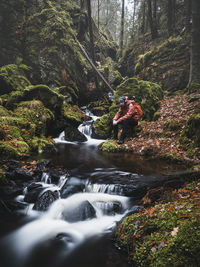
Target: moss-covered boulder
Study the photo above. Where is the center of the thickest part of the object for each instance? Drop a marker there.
(192, 129)
(35, 112)
(147, 94)
(48, 97)
(7, 150)
(12, 78)
(4, 112)
(74, 114)
(111, 146)
(42, 145)
(102, 127)
(166, 64)
(164, 235)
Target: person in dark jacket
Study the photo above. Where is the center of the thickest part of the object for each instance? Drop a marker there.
(127, 116)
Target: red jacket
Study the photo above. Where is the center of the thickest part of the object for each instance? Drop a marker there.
(126, 112)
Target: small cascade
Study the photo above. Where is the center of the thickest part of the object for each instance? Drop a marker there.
(112, 189)
(85, 128)
(46, 178)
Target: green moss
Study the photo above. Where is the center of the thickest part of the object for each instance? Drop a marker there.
(161, 64)
(12, 79)
(73, 113)
(112, 146)
(193, 87)
(146, 93)
(2, 175)
(14, 98)
(14, 121)
(103, 126)
(156, 116)
(166, 235)
(192, 130)
(21, 147)
(48, 97)
(35, 112)
(4, 112)
(7, 151)
(42, 145)
(171, 125)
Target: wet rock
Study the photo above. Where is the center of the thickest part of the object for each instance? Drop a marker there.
(110, 208)
(72, 186)
(72, 134)
(82, 212)
(45, 200)
(32, 192)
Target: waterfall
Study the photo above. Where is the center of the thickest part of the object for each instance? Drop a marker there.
(85, 128)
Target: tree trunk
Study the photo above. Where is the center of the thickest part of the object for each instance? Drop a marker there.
(83, 4)
(188, 11)
(155, 12)
(98, 7)
(171, 13)
(195, 44)
(122, 29)
(90, 30)
(152, 24)
(143, 16)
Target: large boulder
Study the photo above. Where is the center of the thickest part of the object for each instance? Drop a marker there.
(72, 134)
(71, 186)
(45, 200)
(81, 212)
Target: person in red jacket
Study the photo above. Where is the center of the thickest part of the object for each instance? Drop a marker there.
(127, 116)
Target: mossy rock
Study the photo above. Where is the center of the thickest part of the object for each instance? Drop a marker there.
(36, 113)
(42, 145)
(166, 64)
(8, 151)
(3, 111)
(14, 98)
(171, 126)
(165, 235)
(193, 87)
(48, 97)
(12, 79)
(192, 129)
(2, 175)
(111, 146)
(73, 114)
(102, 127)
(15, 121)
(147, 94)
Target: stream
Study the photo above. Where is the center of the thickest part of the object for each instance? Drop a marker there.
(76, 229)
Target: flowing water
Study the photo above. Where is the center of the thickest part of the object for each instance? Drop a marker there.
(76, 230)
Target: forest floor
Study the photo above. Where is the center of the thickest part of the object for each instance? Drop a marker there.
(160, 138)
